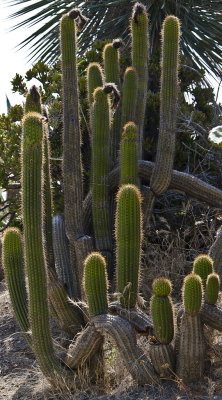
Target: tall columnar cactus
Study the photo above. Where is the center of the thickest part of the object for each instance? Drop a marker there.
(203, 266)
(112, 74)
(129, 97)
(13, 264)
(96, 284)
(32, 167)
(128, 155)
(140, 54)
(100, 170)
(128, 231)
(162, 172)
(191, 344)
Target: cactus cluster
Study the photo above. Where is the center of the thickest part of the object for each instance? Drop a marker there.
(68, 263)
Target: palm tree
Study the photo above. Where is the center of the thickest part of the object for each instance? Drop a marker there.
(201, 26)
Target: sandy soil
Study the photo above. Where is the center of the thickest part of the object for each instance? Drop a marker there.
(20, 377)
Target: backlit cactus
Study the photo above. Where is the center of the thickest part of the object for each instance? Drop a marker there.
(162, 311)
(128, 155)
(203, 266)
(128, 231)
(192, 294)
(212, 288)
(96, 284)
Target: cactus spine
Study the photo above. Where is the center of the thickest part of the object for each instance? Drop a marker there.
(96, 284)
(128, 230)
(13, 264)
(128, 155)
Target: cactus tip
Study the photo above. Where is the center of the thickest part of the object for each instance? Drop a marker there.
(112, 88)
(138, 9)
(34, 92)
(82, 20)
(117, 43)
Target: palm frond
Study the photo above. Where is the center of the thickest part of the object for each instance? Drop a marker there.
(201, 26)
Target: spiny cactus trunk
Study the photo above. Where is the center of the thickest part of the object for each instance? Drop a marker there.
(163, 359)
(191, 354)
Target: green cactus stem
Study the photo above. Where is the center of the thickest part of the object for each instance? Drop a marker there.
(128, 232)
(203, 266)
(112, 74)
(61, 254)
(212, 288)
(96, 284)
(192, 293)
(162, 311)
(33, 100)
(129, 98)
(140, 54)
(12, 260)
(94, 79)
(100, 170)
(162, 172)
(32, 182)
(128, 155)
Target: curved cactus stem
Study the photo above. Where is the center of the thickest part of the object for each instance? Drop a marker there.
(32, 182)
(191, 349)
(161, 175)
(124, 337)
(163, 359)
(140, 54)
(85, 346)
(69, 315)
(140, 321)
(61, 254)
(129, 98)
(181, 182)
(13, 264)
(212, 315)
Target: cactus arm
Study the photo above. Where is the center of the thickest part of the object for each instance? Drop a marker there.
(96, 284)
(181, 182)
(85, 346)
(100, 170)
(128, 231)
(72, 163)
(161, 175)
(61, 254)
(13, 264)
(121, 332)
(212, 288)
(128, 155)
(129, 98)
(32, 182)
(140, 54)
(112, 74)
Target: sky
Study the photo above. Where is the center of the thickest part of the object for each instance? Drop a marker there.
(16, 61)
